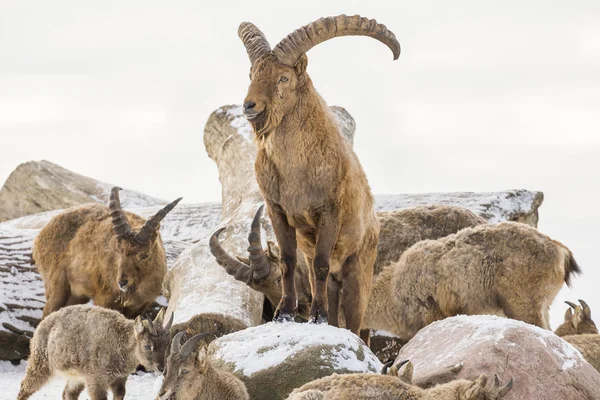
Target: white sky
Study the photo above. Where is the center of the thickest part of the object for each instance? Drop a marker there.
(484, 97)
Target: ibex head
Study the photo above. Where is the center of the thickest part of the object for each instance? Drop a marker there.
(278, 76)
(580, 318)
(152, 339)
(477, 389)
(135, 250)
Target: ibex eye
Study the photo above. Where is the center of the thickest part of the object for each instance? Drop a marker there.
(143, 256)
(184, 371)
(148, 347)
(283, 79)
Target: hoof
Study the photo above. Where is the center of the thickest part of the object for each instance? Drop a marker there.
(283, 317)
(317, 320)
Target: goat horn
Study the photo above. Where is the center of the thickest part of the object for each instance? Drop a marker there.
(292, 47)
(386, 366)
(586, 309)
(234, 267)
(259, 264)
(151, 327)
(254, 40)
(505, 389)
(152, 224)
(572, 305)
(192, 344)
(167, 326)
(120, 223)
(176, 343)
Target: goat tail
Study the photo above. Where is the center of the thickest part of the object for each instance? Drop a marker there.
(571, 267)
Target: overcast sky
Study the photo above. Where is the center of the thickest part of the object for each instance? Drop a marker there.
(484, 97)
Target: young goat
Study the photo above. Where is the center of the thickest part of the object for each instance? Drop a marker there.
(316, 191)
(588, 345)
(189, 375)
(395, 387)
(105, 254)
(577, 323)
(93, 347)
(509, 269)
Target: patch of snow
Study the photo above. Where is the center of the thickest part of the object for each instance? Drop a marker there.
(239, 122)
(268, 345)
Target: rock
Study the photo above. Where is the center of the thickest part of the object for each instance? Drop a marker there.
(275, 358)
(38, 186)
(542, 365)
(385, 345)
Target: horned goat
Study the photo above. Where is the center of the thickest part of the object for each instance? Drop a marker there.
(316, 191)
(400, 229)
(577, 322)
(588, 345)
(93, 347)
(391, 387)
(111, 256)
(189, 374)
(509, 269)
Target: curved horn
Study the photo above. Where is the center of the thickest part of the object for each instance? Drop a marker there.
(167, 326)
(259, 263)
(152, 224)
(572, 305)
(176, 343)
(151, 327)
(505, 389)
(292, 47)
(254, 40)
(586, 309)
(388, 364)
(192, 344)
(120, 223)
(233, 266)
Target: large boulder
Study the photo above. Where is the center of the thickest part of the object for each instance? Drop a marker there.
(275, 358)
(542, 365)
(38, 186)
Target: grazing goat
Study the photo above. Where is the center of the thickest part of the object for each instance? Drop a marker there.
(400, 229)
(588, 345)
(509, 269)
(105, 254)
(93, 347)
(189, 374)
(390, 387)
(578, 323)
(316, 191)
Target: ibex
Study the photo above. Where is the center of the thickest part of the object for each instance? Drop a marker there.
(189, 374)
(509, 269)
(577, 323)
(93, 348)
(391, 387)
(316, 191)
(400, 229)
(113, 257)
(589, 347)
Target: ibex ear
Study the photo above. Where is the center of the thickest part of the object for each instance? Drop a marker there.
(568, 315)
(202, 359)
(475, 390)
(160, 316)
(138, 326)
(301, 65)
(406, 372)
(273, 250)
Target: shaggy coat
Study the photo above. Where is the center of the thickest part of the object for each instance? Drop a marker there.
(316, 191)
(509, 269)
(589, 346)
(375, 387)
(189, 375)
(93, 348)
(80, 257)
(577, 323)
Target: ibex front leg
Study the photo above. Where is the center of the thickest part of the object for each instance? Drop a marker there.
(286, 239)
(327, 234)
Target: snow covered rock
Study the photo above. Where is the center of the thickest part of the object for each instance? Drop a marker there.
(542, 365)
(38, 186)
(275, 358)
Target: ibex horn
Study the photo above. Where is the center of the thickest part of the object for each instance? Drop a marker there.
(176, 343)
(192, 344)
(233, 266)
(254, 40)
(259, 263)
(586, 309)
(152, 224)
(120, 223)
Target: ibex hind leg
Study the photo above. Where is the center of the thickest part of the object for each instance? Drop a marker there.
(57, 295)
(97, 391)
(527, 310)
(36, 375)
(118, 388)
(72, 390)
(358, 275)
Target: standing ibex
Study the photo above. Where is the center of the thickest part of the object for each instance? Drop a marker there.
(400, 229)
(95, 348)
(578, 322)
(389, 387)
(113, 257)
(189, 374)
(315, 189)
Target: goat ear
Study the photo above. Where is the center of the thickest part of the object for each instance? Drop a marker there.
(273, 249)
(406, 372)
(138, 326)
(301, 65)
(476, 388)
(568, 315)
(202, 359)
(160, 316)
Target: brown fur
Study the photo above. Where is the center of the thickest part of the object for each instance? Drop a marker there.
(80, 258)
(92, 347)
(316, 192)
(389, 387)
(577, 323)
(589, 346)
(509, 269)
(192, 377)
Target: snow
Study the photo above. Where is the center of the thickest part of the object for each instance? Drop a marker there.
(238, 121)
(140, 386)
(491, 328)
(268, 345)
